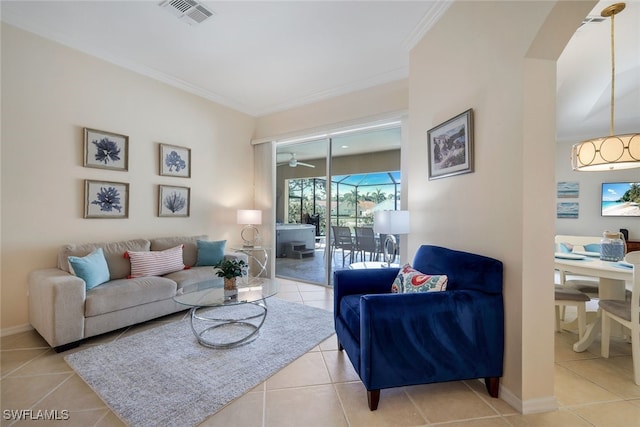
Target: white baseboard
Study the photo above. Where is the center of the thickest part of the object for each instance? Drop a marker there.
(15, 330)
(531, 406)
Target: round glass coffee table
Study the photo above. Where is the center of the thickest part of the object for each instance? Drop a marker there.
(223, 320)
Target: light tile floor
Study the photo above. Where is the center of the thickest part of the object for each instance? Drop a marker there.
(321, 388)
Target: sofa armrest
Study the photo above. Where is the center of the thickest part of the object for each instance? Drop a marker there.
(355, 282)
(236, 255)
(56, 305)
(430, 337)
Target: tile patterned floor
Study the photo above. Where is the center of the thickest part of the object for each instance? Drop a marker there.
(321, 388)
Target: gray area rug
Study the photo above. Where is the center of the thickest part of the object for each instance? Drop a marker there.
(311, 269)
(163, 377)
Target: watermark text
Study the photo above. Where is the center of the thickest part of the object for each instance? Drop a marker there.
(35, 414)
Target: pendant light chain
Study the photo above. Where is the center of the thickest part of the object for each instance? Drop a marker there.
(613, 74)
(614, 152)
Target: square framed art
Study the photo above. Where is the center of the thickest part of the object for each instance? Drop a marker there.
(175, 161)
(106, 199)
(174, 201)
(450, 147)
(105, 150)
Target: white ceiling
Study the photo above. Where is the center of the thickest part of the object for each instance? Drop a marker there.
(261, 57)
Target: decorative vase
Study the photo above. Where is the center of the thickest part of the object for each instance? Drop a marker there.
(230, 284)
(612, 247)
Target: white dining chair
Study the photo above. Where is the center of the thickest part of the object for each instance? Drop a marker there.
(626, 313)
(566, 296)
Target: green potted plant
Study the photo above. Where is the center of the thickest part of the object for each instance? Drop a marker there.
(230, 269)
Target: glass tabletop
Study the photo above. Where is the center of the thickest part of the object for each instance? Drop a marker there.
(211, 293)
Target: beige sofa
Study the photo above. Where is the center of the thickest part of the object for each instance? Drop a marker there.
(64, 312)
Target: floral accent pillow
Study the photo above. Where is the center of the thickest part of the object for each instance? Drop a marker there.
(411, 280)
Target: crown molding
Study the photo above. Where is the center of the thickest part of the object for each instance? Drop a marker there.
(53, 36)
(428, 20)
(387, 77)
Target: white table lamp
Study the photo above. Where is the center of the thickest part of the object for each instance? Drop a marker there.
(250, 218)
(391, 223)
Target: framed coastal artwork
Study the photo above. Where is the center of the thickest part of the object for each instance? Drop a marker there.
(620, 199)
(569, 210)
(106, 150)
(175, 161)
(568, 190)
(174, 201)
(450, 147)
(106, 199)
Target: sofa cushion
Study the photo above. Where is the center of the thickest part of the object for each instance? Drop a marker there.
(119, 267)
(193, 275)
(210, 253)
(92, 268)
(411, 280)
(350, 313)
(125, 293)
(156, 263)
(189, 250)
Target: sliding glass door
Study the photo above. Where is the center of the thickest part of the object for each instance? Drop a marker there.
(301, 211)
(322, 184)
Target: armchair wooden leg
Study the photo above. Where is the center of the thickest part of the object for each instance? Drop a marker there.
(340, 347)
(493, 386)
(373, 397)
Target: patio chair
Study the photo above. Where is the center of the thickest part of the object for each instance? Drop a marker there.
(342, 240)
(366, 242)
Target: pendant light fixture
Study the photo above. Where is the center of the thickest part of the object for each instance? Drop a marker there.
(611, 152)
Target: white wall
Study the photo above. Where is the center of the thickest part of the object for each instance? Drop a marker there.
(385, 99)
(49, 93)
(477, 56)
(589, 221)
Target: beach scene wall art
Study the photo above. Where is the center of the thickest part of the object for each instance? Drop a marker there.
(620, 199)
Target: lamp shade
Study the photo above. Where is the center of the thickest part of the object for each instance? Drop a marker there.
(391, 222)
(249, 216)
(607, 153)
(615, 151)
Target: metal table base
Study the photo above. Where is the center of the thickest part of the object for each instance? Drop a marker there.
(252, 329)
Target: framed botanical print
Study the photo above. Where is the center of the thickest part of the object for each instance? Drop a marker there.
(175, 161)
(174, 201)
(106, 199)
(106, 150)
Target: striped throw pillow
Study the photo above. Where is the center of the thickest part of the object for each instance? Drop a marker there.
(155, 263)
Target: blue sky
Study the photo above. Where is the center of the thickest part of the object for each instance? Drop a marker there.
(613, 191)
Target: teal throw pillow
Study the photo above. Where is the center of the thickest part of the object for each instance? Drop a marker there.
(592, 247)
(210, 253)
(92, 268)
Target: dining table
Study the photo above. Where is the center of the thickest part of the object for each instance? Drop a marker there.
(612, 277)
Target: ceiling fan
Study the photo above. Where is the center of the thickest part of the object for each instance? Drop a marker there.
(293, 162)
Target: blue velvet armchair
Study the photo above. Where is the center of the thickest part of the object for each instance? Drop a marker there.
(405, 339)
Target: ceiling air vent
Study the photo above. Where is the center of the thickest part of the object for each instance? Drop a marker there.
(188, 11)
(593, 19)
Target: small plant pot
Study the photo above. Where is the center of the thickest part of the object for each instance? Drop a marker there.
(230, 288)
(230, 284)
